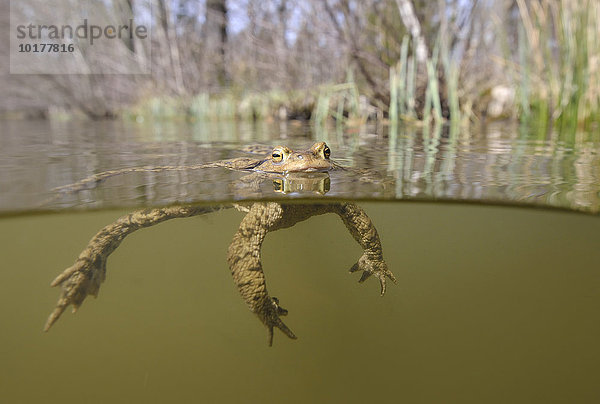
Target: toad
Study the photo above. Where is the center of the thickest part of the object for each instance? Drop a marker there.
(85, 276)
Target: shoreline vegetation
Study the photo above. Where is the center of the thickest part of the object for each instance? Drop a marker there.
(535, 62)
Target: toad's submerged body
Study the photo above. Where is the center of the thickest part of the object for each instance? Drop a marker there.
(244, 256)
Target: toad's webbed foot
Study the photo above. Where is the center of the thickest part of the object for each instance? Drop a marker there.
(373, 265)
(269, 314)
(77, 282)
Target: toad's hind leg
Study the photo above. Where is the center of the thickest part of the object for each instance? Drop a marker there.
(244, 255)
(244, 258)
(87, 274)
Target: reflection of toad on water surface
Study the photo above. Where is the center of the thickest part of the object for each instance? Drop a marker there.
(244, 259)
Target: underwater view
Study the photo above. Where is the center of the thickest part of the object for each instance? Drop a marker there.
(486, 245)
(284, 201)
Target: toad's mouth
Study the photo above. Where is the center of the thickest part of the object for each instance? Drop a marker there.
(309, 170)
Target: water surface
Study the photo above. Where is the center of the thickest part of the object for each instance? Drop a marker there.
(500, 165)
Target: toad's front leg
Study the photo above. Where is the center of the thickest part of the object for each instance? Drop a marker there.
(364, 232)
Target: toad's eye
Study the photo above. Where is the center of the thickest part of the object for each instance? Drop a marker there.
(277, 156)
(326, 152)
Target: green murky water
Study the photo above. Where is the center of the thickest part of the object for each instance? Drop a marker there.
(493, 304)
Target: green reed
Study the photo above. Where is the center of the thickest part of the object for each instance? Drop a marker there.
(340, 102)
(559, 76)
(402, 86)
(227, 105)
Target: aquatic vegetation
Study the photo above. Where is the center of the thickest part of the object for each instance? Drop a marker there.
(345, 63)
(558, 71)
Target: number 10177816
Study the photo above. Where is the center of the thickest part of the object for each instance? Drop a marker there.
(46, 47)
